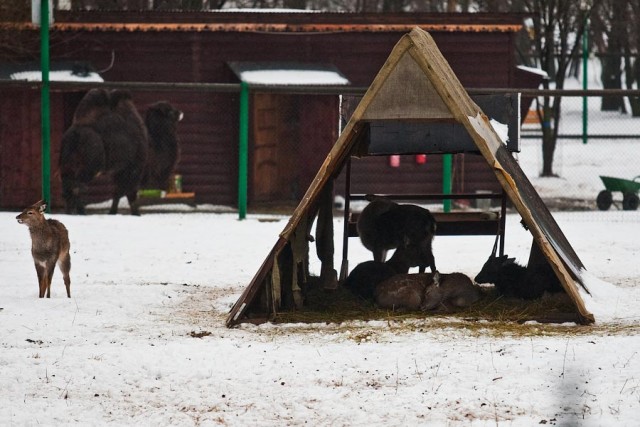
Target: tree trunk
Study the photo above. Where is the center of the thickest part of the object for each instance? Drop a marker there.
(612, 79)
(548, 135)
(548, 143)
(612, 63)
(632, 74)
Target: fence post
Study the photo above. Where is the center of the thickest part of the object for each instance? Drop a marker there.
(447, 160)
(243, 155)
(585, 84)
(45, 127)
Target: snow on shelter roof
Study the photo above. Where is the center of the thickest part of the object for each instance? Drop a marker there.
(288, 73)
(59, 72)
(534, 70)
(56, 76)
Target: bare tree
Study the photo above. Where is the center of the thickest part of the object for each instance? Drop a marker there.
(17, 46)
(632, 55)
(611, 29)
(558, 28)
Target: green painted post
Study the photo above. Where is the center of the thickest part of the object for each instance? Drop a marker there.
(243, 150)
(585, 84)
(447, 161)
(45, 103)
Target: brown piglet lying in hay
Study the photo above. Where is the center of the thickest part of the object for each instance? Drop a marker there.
(364, 278)
(427, 291)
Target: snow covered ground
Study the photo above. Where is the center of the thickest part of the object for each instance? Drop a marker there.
(142, 341)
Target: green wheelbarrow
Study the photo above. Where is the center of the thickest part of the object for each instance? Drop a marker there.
(629, 190)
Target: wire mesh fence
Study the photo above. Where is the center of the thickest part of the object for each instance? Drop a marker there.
(610, 147)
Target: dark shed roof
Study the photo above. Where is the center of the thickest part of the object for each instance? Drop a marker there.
(283, 21)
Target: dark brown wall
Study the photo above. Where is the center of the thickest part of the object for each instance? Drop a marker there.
(20, 147)
(209, 131)
(478, 59)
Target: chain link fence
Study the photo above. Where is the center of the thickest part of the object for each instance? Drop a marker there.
(610, 148)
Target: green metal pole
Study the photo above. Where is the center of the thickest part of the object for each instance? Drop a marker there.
(585, 84)
(45, 103)
(447, 161)
(243, 150)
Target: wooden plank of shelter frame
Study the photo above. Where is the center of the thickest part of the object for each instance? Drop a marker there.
(240, 307)
(544, 229)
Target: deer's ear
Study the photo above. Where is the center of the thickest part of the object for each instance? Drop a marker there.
(38, 205)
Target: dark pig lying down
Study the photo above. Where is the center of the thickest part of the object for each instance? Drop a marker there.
(419, 292)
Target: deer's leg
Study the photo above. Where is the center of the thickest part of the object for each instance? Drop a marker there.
(50, 267)
(379, 254)
(42, 275)
(430, 261)
(65, 266)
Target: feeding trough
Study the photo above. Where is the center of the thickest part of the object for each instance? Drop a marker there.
(628, 188)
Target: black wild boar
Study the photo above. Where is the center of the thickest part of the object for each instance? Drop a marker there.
(384, 224)
(516, 281)
(364, 278)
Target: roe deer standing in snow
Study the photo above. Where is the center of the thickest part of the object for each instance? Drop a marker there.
(49, 245)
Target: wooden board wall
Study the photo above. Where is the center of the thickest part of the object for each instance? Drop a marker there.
(209, 131)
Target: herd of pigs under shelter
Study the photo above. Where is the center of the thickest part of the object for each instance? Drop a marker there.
(415, 87)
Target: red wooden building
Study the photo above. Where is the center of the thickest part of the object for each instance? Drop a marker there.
(290, 133)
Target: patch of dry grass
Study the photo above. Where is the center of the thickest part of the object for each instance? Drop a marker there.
(492, 315)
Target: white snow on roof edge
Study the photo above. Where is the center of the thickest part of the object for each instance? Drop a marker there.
(274, 10)
(293, 77)
(56, 76)
(534, 70)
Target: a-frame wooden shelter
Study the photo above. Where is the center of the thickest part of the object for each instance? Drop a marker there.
(415, 84)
